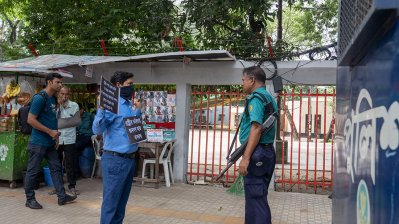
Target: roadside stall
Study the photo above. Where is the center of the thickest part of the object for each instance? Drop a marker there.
(158, 115)
(19, 81)
(15, 92)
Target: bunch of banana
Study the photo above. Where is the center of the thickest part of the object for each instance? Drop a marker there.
(12, 89)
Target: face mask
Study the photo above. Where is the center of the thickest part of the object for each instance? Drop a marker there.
(127, 92)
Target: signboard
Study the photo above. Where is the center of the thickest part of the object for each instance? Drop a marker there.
(168, 135)
(134, 129)
(109, 96)
(366, 159)
(155, 135)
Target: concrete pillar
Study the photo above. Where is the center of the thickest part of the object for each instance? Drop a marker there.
(183, 104)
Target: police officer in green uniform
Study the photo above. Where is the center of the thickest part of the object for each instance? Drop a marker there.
(257, 163)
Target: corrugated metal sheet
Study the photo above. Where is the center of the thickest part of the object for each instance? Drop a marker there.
(49, 63)
(212, 55)
(54, 62)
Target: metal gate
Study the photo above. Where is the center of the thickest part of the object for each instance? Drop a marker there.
(215, 113)
(306, 149)
(305, 155)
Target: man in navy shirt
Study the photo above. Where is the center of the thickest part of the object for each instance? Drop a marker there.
(257, 163)
(118, 159)
(43, 142)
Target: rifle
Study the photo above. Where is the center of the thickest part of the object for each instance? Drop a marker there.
(266, 126)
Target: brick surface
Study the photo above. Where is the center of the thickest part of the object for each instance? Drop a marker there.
(181, 203)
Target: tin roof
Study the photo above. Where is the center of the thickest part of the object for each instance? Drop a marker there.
(54, 62)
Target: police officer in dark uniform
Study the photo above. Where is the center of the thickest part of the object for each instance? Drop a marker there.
(259, 159)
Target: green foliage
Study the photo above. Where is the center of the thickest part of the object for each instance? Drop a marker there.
(238, 26)
(306, 24)
(11, 52)
(319, 20)
(241, 27)
(10, 30)
(131, 27)
(76, 27)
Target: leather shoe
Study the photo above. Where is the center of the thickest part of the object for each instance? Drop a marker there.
(68, 198)
(33, 204)
(73, 191)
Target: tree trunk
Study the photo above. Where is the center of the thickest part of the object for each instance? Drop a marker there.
(2, 29)
(13, 26)
(292, 124)
(330, 130)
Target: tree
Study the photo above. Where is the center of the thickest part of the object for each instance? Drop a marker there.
(77, 27)
(238, 26)
(130, 27)
(241, 26)
(10, 30)
(319, 20)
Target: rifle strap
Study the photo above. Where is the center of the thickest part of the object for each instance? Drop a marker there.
(234, 139)
(268, 106)
(269, 110)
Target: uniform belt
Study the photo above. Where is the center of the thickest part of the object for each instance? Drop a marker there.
(266, 144)
(123, 155)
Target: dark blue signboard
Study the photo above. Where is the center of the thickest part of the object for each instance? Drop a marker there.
(366, 165)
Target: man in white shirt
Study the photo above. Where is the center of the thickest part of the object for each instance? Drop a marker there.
(67, 140)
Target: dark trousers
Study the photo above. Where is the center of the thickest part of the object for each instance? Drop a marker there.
(117, 182)
(36, 155)
(82, 141)
(257, 209)
(71, 159)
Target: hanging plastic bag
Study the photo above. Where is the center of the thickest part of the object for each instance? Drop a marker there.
(26, 87)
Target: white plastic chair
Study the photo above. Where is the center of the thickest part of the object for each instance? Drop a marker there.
(97, 149)
(165, 161)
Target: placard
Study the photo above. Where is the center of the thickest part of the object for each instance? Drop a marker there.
(109, 96)
(134, 128)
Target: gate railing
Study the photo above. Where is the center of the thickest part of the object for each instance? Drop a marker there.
(214, 119)
(304, 153)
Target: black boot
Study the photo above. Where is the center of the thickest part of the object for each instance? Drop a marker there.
(68, 198)
(33, 204)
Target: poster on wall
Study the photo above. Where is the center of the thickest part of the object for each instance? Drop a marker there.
(157, 106)
(171, 99)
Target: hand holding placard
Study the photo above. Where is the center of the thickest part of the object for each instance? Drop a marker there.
(109, 96)
(134, 129)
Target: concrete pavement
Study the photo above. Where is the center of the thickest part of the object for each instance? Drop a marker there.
(181, 203)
